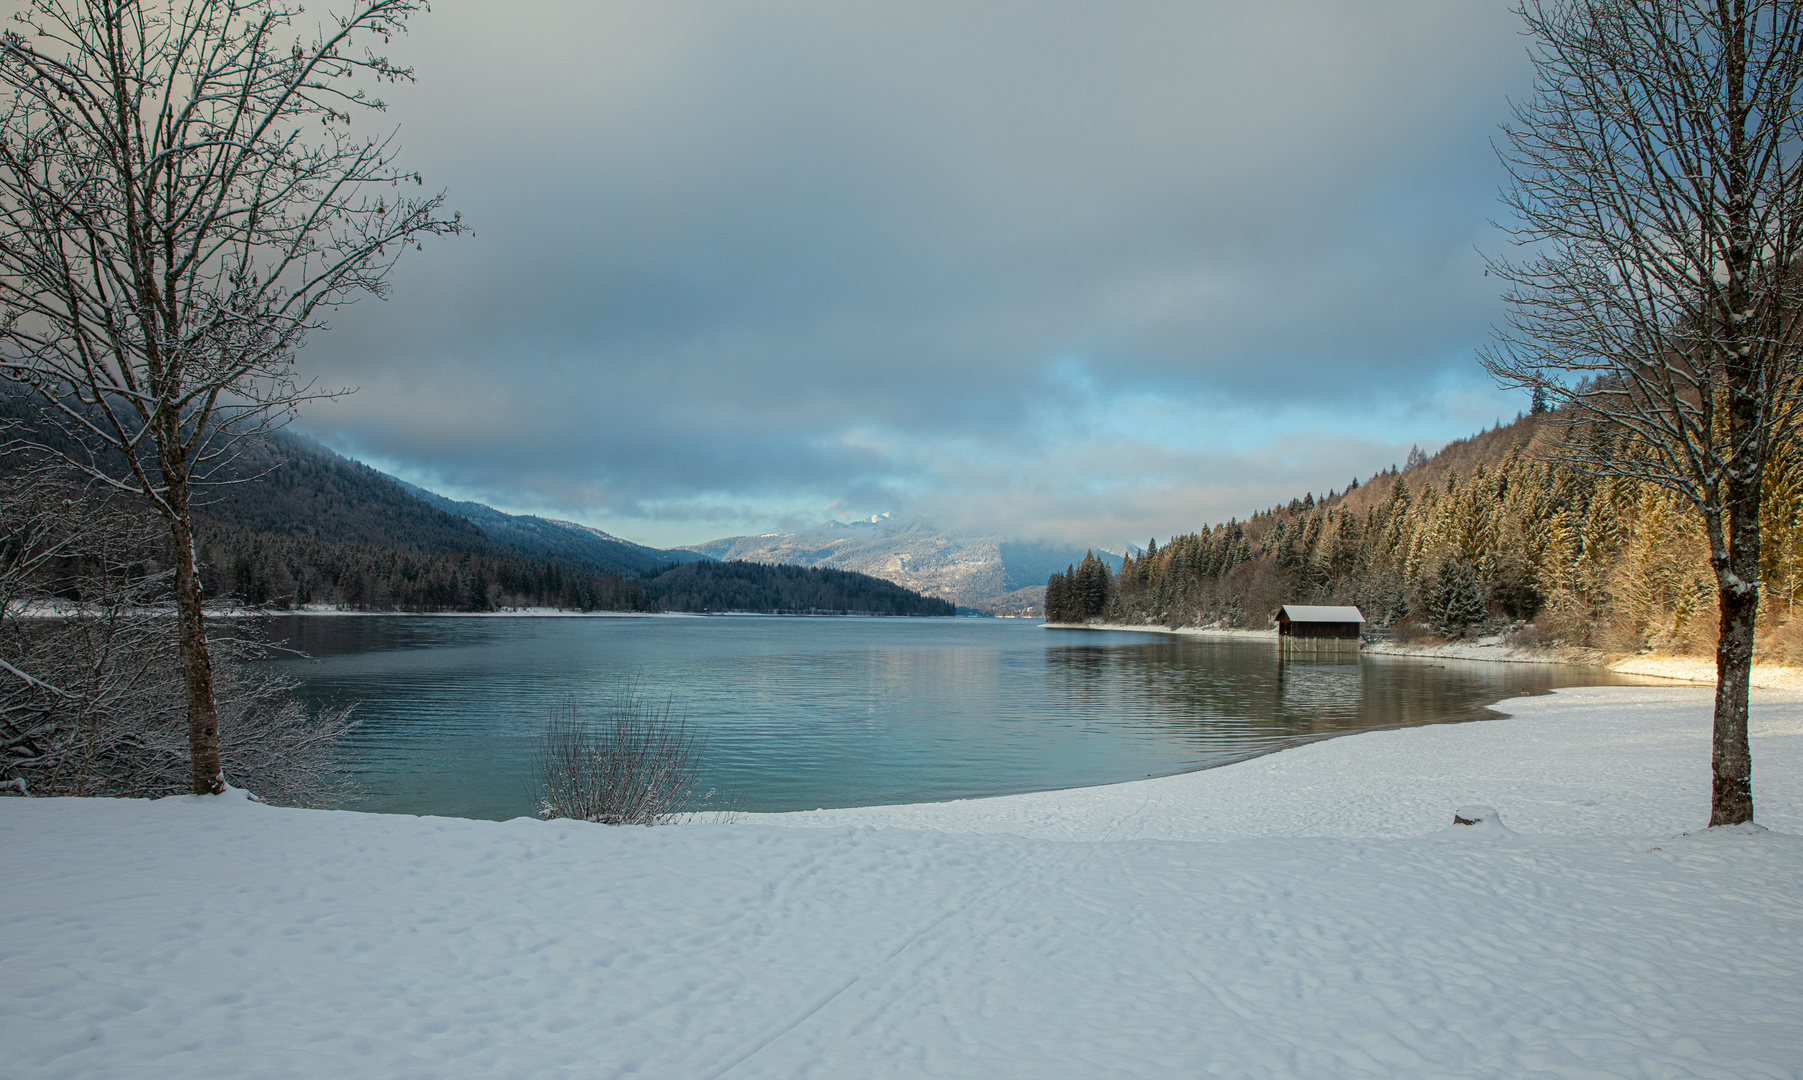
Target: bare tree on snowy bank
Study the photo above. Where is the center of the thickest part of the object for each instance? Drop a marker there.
(1657, 183)
(91, 693)
(181, 200)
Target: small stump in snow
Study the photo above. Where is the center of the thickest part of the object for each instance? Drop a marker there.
(1477, 815)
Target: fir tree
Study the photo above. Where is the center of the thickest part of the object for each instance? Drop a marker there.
(1454, 601)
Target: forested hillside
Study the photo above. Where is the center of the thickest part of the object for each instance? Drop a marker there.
(282, 572)
(296, 525)
(295, 488)
(1488, 534)
(266, 570)
(549, 538)
(762, 587)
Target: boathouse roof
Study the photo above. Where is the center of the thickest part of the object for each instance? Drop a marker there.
(1317, 613)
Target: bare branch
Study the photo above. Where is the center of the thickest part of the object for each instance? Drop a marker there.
(1656, 186)
(180, 206)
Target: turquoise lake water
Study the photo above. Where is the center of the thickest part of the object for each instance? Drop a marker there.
(800, 713)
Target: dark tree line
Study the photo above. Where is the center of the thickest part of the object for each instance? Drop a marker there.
(283, 572)
(781, 589)
(1190, 563)
(294, 525)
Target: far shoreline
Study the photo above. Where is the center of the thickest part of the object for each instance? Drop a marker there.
(310, 611)
(562, 613)
(1692, 670)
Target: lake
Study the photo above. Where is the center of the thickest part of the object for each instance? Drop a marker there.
(800, 713)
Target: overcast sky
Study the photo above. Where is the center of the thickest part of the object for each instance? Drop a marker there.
(1088, 272)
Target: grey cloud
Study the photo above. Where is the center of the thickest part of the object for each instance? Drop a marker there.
(731, 256)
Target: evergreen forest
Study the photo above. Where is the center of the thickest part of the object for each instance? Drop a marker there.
(270, 570)
(1490, 535)
(783, 589)
(281, 572)
(288, 523)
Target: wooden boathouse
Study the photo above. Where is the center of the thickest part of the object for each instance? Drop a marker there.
(1315, 630)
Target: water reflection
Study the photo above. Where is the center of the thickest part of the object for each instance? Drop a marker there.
(1320, 690)
(801, 713)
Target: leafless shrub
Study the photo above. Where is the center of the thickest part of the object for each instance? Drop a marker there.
(269, 742)
(638, 766)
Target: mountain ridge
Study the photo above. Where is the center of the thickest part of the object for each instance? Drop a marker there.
(980, 570)
(554, 537)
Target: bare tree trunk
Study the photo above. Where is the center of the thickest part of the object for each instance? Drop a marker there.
(1655, 171)
(1737, 578)
(1731, 801)
(168, 239)
(1737, 567)
(197, 663)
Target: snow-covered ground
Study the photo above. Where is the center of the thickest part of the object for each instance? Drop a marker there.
(1702, 670)
(1312, 913)
(1494, 648)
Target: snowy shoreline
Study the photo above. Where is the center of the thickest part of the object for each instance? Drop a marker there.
(1181, 631)
(1307, 913)
(1688, 669)
(1399, 782)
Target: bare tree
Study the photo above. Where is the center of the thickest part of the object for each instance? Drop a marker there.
(91, 696)
(181, 200)
(1657, 186)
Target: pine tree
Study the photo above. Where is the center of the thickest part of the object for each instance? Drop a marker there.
(1454, 601)
(1094, 588)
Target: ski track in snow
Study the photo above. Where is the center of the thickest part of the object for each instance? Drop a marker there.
(1305, 914)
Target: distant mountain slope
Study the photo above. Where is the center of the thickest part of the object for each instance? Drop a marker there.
(317, 494)
(288, 485)
(971, 568)
(291, 522)
(555, 539)
(296, 488)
